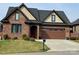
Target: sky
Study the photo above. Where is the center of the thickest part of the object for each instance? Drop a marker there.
(71, 9)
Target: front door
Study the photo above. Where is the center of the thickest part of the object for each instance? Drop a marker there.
(33, 31)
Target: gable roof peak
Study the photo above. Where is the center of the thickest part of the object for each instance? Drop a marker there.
(22, 5)
(53, 10)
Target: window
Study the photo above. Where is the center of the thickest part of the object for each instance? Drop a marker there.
(16, 28)
(17, 16)
(53, 18)
(1, 27)
(71, 31)
(74, 28)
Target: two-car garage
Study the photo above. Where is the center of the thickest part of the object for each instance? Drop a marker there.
(52, 33)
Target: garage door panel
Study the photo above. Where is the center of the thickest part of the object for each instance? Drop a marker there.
(51, 34)
(57, 34)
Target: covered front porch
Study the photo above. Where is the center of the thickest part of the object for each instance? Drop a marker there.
(34, 31)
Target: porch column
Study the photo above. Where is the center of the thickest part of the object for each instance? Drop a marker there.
(67, 32)
(37, 31)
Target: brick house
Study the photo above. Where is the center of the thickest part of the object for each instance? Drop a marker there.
(75, 28)
(49, 24)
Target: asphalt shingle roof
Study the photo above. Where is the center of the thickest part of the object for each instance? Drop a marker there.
(43, 14)
(63, 16)
(34, 11)
(76, 22)
(40, 14)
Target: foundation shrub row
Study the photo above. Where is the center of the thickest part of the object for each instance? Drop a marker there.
(24, 37)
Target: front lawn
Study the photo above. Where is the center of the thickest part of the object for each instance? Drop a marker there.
(20, 46)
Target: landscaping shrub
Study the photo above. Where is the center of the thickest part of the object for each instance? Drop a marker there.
(25, 37)
(32, 39)
(67, 38)
(15, 38)
(73, 38)
(6, 37)
(77, 38)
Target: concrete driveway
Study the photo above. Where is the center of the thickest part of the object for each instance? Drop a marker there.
(62, 45)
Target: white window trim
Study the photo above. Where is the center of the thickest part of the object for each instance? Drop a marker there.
(53, 18)
(17, 16)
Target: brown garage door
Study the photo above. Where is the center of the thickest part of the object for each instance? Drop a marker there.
(52, 33)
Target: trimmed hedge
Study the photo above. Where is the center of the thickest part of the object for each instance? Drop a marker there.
(15, 38)
(74, 38)
(25, 37)
(6, 37)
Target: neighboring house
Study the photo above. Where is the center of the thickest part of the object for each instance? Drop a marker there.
(75, 27)
(47, 24)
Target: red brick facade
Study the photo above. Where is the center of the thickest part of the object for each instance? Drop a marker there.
(58, 33)
(7, 26)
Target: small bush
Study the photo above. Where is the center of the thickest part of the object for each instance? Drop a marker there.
(67, 38)
(32, 39)
(77, 38)
(15, 38)
(6, 37)
(73, 38)
(25, 37)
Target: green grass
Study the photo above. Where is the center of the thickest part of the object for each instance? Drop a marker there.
(20, 46)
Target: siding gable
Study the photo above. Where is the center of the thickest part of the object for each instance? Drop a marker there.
(27, 13)
(57, 19)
